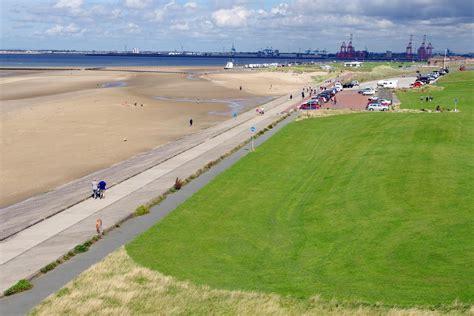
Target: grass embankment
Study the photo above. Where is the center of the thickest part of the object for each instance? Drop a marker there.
(361, 208)
(119, 286)
(352, 209)
(459, 85)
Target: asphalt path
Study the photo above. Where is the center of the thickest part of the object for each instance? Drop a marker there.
(51, 282)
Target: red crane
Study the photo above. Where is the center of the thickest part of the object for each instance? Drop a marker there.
(409, 51)
(422, 50)
(350, 49)
(342, 51)
(429, 51)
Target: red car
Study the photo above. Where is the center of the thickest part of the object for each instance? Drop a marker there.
(310, 105)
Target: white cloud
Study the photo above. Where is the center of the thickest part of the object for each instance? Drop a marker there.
(281, 9)
(180, 26)
(190, 5)
(71, 29)
(158, 15)
(235, 17)
(136, 4)
(132, 28)
(74, 6)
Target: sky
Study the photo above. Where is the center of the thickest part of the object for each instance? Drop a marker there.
(251, 25)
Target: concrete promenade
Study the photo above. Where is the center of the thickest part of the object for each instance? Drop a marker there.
(39, 230)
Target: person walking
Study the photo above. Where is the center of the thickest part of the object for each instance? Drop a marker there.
(427, 98)
(190, 122)
(102, 185)
(421, 98)
(95, 187)
(98, 227)
(291, 97)
(431, 98)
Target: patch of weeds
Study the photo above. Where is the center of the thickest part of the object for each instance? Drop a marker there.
(63, 292)
(140, 280)
(88, 243)
(80, 248)
(48, 267)
(141, 210)
(20, 286)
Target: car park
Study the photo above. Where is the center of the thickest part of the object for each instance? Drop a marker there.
(377, 107)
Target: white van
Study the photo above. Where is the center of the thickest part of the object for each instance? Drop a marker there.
(392, 84)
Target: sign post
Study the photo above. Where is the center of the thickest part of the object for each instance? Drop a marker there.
(252, 130)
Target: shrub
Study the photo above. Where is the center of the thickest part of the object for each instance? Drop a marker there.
(88, 243)
(178, 183)
(141, 210)
(80, 248)
(20, 286)
(48, 267)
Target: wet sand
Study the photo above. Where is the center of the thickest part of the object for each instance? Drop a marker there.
(57, 126)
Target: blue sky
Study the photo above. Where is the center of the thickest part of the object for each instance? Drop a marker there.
(213, 25)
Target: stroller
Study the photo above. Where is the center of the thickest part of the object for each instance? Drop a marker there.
(101, 189)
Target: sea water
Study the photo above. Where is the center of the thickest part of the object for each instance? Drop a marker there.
(78, 60)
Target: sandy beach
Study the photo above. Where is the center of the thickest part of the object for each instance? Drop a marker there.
(60, 125)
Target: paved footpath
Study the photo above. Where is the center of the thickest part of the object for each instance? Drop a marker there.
(68, 216)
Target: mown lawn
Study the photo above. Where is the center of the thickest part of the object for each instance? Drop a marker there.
(370, 207)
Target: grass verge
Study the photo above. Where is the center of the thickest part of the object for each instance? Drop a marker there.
(20, 286)
(371, 207)
(118, 286)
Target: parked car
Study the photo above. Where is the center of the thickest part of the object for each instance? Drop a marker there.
(373, 98)
(367, 91)
(417, 84)
(381, 83)
(355, 83)
(338, 86)
(385, 102)
(391, 84)
(425, 80)
(347, 85)
(311, 105)
(377, 107)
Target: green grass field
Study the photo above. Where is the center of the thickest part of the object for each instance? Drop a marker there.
(363, 208)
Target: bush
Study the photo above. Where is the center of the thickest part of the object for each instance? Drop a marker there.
(80, 248)
(141, 210)
(48, 267)
(20, 286)
(178, 183)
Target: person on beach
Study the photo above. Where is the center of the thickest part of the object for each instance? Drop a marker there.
(240, 88)
(302, 95)
(291, 97)
(95, 187)
(190, 122)
(98, 227)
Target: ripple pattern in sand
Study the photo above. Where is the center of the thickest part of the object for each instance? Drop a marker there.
(235, 105)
